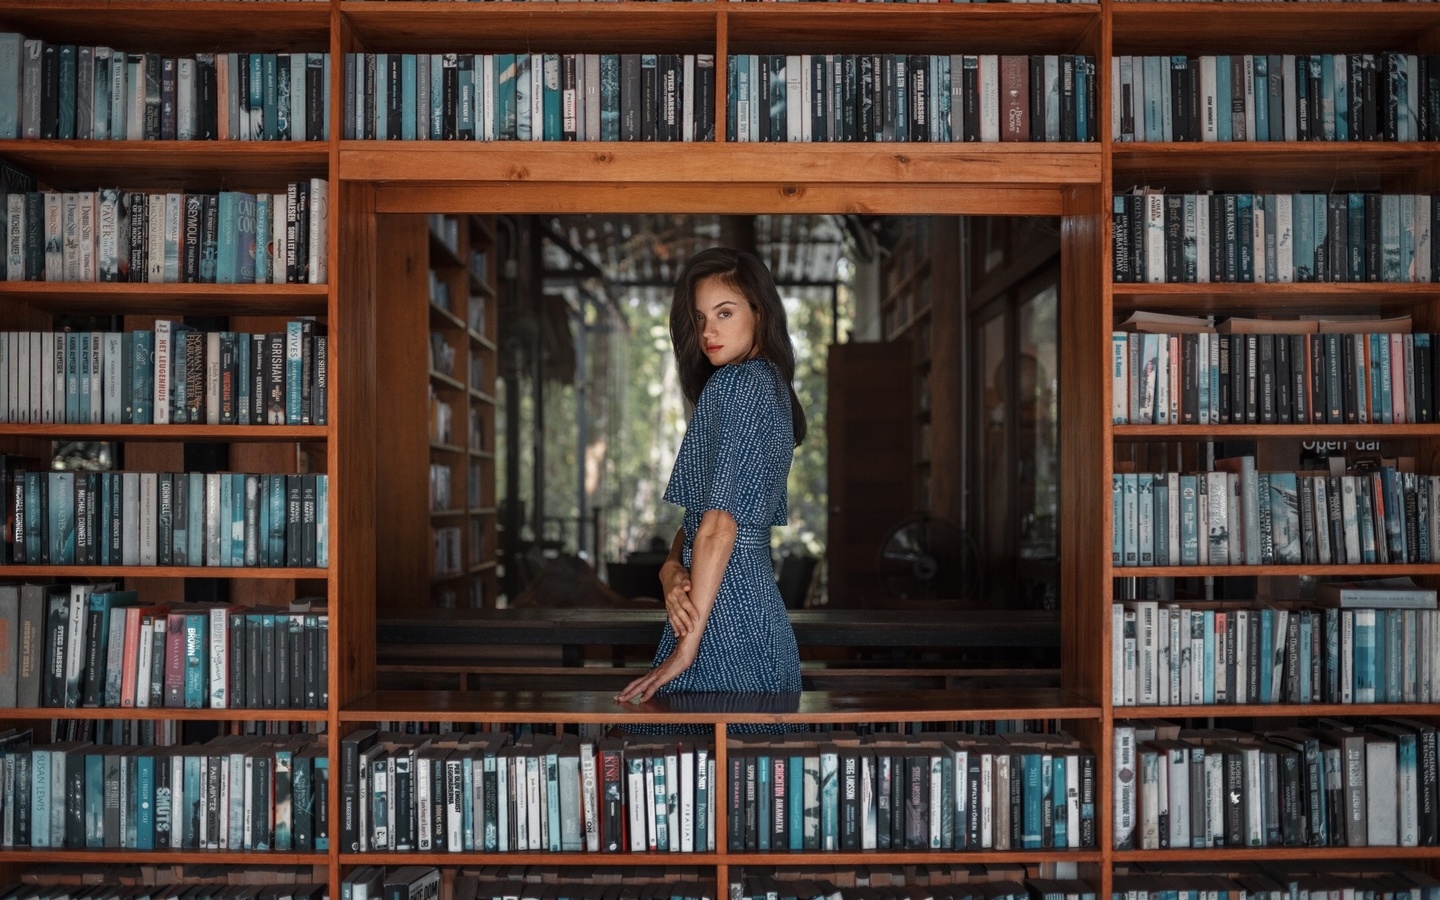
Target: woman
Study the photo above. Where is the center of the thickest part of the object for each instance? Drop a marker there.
(726, 627)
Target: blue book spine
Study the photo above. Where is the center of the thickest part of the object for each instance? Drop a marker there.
(322, 521)
(243, 377)
(437, 97)
(66, 124)
(1032, 801)
(197, 659)
(34, 532)
(1082, 94)
(610, 97)
(1261, 66)
(94, 801)
(1059, 823)
(1342, 97)
(187, 818)
(294, 361)
(794, 780)
(408, 71)
(62, 518)
(1189, 526)
(1223, 102)
(40, 798)
(226, 271)
(1161, 520)
(1307, 626)
(145, 802)
(1379, 658)
(245, 211)
(467, 806)
(1363, 665)
(270, 98)
(236, 521)
(264, 240)
(322, 777)
(1377, 397)
(553, 129)
(1394, 655)
(10, 55)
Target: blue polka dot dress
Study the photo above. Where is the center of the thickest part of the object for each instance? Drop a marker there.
(736, 457)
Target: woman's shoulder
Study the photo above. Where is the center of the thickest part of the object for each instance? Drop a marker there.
(752, 378)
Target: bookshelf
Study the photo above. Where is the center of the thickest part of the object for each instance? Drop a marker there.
(380, 253)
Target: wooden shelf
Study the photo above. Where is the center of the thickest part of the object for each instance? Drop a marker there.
(1279, 432)
(96, 298)
(482, 397)
(483, 567)
(482, 340)
(438, 164)
(448, 381)
(708, 709)
(445, 316)
(1000, 28)
(226, 572)
(1269, 166)
(230, 434)
(483, 511)
(482, 454)
(1334, 571)
(439, 447)
(1279, 854)
(1283, 299)
(1272, 710)
(564, 27)
(167, 712)
(479, 287)
(164, 857)
(174, 26)
(442, 254)
(848, 858)
(1334, 27)
(446, 513)
(179, 165)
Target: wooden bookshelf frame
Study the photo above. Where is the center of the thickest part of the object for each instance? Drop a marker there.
(371, 182)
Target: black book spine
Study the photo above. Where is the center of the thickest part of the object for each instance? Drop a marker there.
(1337, 523)
(1037, 98)
(1334, 381)
(1349, 385)
(630, 98)
(1226, 368)
(705, 99)
(254, 669)
(139, 211)
(157, 668)
(267, 664)
(1299, 383)
(393, 99)
(865, 116)
(649, 106)
(1174, 238)
(569, 103)
(299, 645)
(235, 663)
(209, 237)
(259, 372)
(1266, 374)
(1179, 99)
(93, 682)
(849, 800)
(751, 808)
(1284, 412)
(281, 640)
(1424, 404)
(307, 520)
(918, 119)
(1252, 379)
(1390, 95)
(970, 84)
(1067, 97)
(293, 539)
(1190, 372)
(1319, 379)
(168, 98)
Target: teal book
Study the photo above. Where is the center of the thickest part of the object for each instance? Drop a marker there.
(1117, 518)
(322, 521)
(34, 528)
(191, 804)
(195, 532)
(142, 378)
(1266, 533)
(179, 382)
(1161, 520)
(1363, 665)
(1153, 120)
(1375, 396)
(72, 377)
(94, 801)
(236, 524)
(1307, 626)
(1189, 521)
(1032, 801)
(294, 370)
(100, 99)
(66, 124)
(408, 73)
(1407, 237)
(794, 806)
(276, 539)
(610, 97)
(302, 799)
(283, 787)
(1331, 670)
(264, 241)
(102, 681)
(320, 782)
(1393, 644)
(61, 500)
(1082, 91)
(829, 798)
(764, 797)
(1060, 823)
(1224, 119)
(228, 238)
(1326, 64)
(1341, 68)
(467, 804)
(1267, 651)
(197, 659)
(144, 801)
(505, 104)
(270, 99)
(553, 126)
(245, 212)
(1285, 518)
(11, 50)
(1390, 228)
(437, 97)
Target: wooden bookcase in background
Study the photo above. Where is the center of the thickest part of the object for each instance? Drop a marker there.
(381, 193)
(437, 300)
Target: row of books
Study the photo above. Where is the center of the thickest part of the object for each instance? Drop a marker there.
(929, 792)
(1349, 374)
(169, 375)
(230, 793)
(530, 97)
(485, 793)
(957, 887)
(894, 97)
(93, 646)
(1274, 881)
(1236, 516)
(1183, 656)
(85, 93)
(230, 237)
(1314, 97)
(168, 519)
(1208, 237)
(1330, 784)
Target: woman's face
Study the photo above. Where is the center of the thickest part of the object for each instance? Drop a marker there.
(725, 323)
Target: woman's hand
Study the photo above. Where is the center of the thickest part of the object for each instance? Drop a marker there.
(675, 583)
(644, 687)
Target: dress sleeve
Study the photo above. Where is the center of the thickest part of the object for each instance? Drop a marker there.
(744, 429)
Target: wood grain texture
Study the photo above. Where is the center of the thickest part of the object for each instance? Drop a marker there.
(1270, 167)
(167, 299)
(166, 26)
(170, 165)
(862, 28)
(1270, 28)
(230, 434)
(423, 162)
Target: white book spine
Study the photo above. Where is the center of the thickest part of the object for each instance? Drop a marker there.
(15, 237)
(143, 658)
(990, 98)
(319, 230)
(85, 237)
(1154, 237)
(163, 335)
(108, 236)
(687, 107)
(54, 236)
(130, 519)
(793, 102)
(1291, 112)
(155, 238)
(219, 656)
(1209, 127)
(212, 378)
(185, 99)
(149, 511)
(1250, 87)
(41, 369)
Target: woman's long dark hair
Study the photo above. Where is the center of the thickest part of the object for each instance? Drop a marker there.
(745, 273)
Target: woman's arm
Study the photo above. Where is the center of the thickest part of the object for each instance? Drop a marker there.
(675, 588)
(714, 542)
